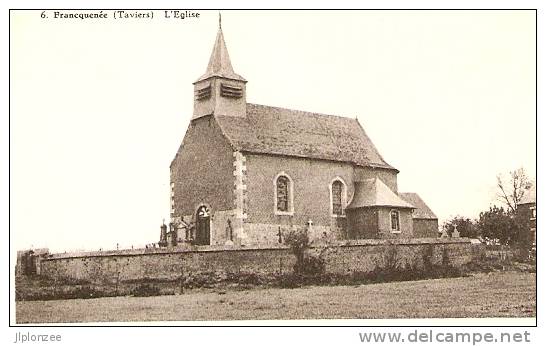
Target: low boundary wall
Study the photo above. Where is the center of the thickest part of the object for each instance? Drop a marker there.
(180, 262)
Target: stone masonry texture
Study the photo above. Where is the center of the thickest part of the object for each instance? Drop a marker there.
(177, 263)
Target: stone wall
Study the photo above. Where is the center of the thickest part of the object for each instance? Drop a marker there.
(174, 263)
(362, 223)
(311, 200)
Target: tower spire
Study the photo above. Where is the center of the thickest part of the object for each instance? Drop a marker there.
(219, 62)
(220, 91)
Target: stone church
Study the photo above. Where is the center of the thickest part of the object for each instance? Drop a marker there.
(246, 173)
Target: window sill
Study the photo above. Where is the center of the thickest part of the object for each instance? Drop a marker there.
(284, 213)
(338, 216)
(396, 232)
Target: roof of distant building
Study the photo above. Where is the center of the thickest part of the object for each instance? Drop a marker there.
(422, 210)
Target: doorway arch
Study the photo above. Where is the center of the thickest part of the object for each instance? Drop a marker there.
(202, 225)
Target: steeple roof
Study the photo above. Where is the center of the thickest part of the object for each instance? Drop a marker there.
(219, 63)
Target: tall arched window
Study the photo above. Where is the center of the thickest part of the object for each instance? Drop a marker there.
(338, 197)
(283, 194)
(337, 191)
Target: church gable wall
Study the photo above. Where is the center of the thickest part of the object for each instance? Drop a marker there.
(202, 171)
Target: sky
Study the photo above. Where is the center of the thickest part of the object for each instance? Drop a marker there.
(99, 107)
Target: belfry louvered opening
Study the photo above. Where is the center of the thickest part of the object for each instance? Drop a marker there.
(202, 94)
(227, 90)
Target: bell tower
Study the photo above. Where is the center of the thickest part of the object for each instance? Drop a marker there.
(220, 91)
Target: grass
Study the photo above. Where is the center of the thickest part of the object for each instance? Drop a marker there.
(496, 294)
(43, 288)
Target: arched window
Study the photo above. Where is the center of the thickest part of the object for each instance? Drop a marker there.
(282, 193)
(284, 204)
(337, 191)
(338, 197)
(395, 221)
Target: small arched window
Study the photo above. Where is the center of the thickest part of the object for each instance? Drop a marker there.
(395, 221)
(283, 195)
(338, 197)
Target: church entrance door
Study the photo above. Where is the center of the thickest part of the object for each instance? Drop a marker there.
(203, 226)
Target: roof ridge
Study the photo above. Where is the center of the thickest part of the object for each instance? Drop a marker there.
(302, 111)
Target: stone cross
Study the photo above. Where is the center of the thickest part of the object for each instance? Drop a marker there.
(455, 233)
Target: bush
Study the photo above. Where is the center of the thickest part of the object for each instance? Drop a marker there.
(498, 224)
(426, 256)
(306, 264)
(465, 226)
(390, 258)
(145, 290)
(388, 268)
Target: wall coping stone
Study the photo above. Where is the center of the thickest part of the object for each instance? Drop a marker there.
(226, 248)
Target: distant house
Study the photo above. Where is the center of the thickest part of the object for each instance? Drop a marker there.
(425, 222)
(246, 173)
(527, 209)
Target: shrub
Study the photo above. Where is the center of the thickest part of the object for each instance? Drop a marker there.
(426, 255)
(388, 267)
(465, 226)
(306, 264)
(445, 257)
(390, 258)
(145, 290)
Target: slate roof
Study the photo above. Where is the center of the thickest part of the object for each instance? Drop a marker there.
(375, 193)
(219, 62)
(422, 211)
(280, 131)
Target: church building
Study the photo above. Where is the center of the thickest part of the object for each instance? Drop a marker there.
(245, 174)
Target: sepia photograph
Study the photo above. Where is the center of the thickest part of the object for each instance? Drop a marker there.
(273, 167)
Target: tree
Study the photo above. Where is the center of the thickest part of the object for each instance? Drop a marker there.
(306, 262)
(499, 224)
(465, 226)
(511, 189)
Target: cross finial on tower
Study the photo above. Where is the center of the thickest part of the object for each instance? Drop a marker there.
(219, 20)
